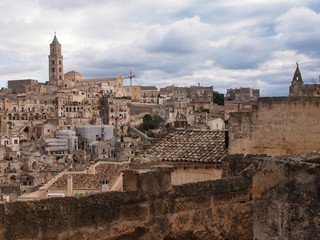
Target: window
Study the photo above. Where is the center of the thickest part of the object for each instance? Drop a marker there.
(59, 69)
(60, 62)
(52, 61)
(15, 141)
(52, 69)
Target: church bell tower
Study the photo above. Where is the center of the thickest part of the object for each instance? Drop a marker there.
(55, 64)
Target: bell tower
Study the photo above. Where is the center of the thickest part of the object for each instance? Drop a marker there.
(297, 86)
(55, 63)
(297, 79)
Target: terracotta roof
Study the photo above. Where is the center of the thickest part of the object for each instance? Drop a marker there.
(190, 146)
(109, 172)
(148, 88)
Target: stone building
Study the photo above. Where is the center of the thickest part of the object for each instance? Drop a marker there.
(65, 142)
(148, 94)
(298, 88)
(276, 126)
(55, 64)
(90, 181)
(242, 94)
(96, 133)
(194, 94)
(133, 92)
(112, 85)
(240, 100)
(196, 155)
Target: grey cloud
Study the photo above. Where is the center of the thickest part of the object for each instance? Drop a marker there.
(298, 29)
(162, 46)
(174, 42)
(243, 53)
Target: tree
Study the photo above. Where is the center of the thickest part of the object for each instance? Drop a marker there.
(150, 122)
(218, 98)
(147, 118)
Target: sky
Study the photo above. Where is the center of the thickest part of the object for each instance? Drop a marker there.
(219, 43)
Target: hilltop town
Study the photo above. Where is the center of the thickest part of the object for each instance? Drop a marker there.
(147, 163)
(69, 122)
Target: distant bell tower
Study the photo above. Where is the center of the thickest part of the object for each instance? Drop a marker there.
(55, 63)
(297, 87)
(297, 76)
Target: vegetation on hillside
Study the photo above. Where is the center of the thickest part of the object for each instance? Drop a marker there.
(150, 122)
(218, 98)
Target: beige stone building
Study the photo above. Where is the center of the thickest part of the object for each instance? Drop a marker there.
(196, 155)
(55, 64)
(242, 94)
(277, 126)
(112, 86)
(99, 177)
(148, 94)
(298, 88)
(134, 92)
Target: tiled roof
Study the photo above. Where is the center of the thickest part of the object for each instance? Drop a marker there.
(190, 146)
(109, 172)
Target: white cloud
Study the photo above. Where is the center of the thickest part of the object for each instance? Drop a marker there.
(224, 43)
(299, 30)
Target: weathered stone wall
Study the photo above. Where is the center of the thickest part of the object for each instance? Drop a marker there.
(262, 197)
(286, 196)
(277, 126)
(285, 193)
(13, 191)
(219, 209)
(195, 173)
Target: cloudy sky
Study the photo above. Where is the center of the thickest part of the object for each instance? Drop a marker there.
(224, 43)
